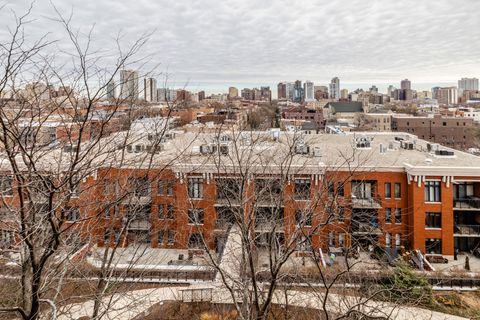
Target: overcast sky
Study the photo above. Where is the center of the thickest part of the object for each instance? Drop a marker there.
(214, 44)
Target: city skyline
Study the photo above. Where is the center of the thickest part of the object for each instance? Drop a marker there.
(232, 43)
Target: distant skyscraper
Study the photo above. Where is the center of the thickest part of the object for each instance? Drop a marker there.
(166, 94)
(405, 84)
(390, 91)
(111, 89)
(299, 93)
(309, 90)
(344, 94)
(201, 95)
(467, 84)
(247, 94)
(290, 90)
(281, 90)
(265, 93)
(232, 92)
(335, 89)
(447, 96)
(128, 84)
(150, 90)
(373, 89)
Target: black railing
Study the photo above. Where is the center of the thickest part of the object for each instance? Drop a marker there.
(466, 203)
(465, 229)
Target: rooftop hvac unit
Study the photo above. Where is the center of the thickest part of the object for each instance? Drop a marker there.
(129, 148)
(205, 149)
(224, 150)
(406, 145)
(302, 149)
(444, 153)
(317, 152)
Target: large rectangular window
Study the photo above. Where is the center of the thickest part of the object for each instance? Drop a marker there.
(362, 189)
(433, 246)
(195, 216)
(388, 215)
(302, 189)
(229, 188)
(432, 191)
(341, 214)
(140, 186)
(388, 190)
(195, 188)
(398, 215)
(6, 185)
(170, 212)
(72, 214)
(161, 211)
(433, 220)
(398, 191)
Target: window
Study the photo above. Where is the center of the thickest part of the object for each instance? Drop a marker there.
(6, 185)
(388, 240)
(195, 241)
(462, 190)
(388, 190)
(398, 240)
(106, 186)
(107, 213)
(171, 237)
(229, 188)
(341, 239)
(362, 189)
(195, 216)
(6, 238)
(140, 186)
(433, 220)
(331, 189)
(303, 218)
(195, 188)
(398, 215)
(341, 214)
(433, 246)
(160, 187)
(398, 191)
(170, 188)
(432, 191)
(331, 239)
(304, 243)
(302, 189)
(268, 189)
(161, 211)
(73, 213)
(161, 237)
(170, 212)
(340, 190)
(388, 215)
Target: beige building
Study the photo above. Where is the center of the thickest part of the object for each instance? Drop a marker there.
(379, 121)
(232, 92)
(344, 94)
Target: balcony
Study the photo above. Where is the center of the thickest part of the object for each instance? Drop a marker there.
(366, 228)
(223, 224)
(469, 203)
(141, 224)
(366, 202)
(465, 230)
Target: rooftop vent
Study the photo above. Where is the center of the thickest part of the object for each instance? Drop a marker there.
(399, 139)
(302, 149)
(444, 153)
(363, 142)
(407, 145)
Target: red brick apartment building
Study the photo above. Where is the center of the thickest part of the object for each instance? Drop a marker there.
(385, 189)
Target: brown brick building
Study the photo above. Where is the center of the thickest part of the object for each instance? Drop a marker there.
(454, 132)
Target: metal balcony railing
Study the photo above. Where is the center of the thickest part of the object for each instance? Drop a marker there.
(467, 230)
(470, 203)
(372, 202)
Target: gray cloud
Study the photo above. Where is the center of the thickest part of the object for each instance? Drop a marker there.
(252, 41)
